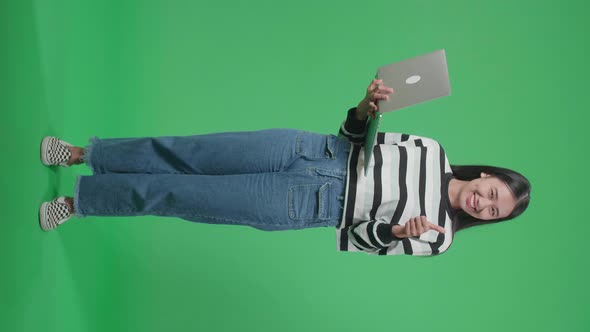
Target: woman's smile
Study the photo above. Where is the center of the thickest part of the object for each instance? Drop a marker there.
(471, 201)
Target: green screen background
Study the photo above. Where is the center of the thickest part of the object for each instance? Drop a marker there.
(74, 69)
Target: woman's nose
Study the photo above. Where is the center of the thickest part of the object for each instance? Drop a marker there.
(483, 203)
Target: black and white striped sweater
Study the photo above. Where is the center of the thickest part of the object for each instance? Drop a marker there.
(407, 177)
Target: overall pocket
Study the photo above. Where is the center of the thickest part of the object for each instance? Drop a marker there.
(310, 201)
(314, 146)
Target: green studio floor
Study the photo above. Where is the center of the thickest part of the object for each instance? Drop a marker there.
(76, 69)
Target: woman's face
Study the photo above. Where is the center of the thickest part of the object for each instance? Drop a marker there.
(487, 198)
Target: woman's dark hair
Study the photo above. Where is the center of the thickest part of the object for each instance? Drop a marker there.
(517, 183)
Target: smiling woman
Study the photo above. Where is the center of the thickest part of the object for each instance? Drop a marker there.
(486, 194)
(411, 201)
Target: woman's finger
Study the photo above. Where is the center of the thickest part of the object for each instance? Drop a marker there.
(376, 96)
(437, 228)
(385, 89)
(373, 84)
(425, 223)
(419, 227)
(413, 227)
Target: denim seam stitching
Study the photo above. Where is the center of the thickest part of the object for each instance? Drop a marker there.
(177, 214)
(180, 214)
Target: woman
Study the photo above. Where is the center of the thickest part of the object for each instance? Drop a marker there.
(411, 202)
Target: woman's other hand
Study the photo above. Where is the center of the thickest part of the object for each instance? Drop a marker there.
(368, 106)
(415, 227)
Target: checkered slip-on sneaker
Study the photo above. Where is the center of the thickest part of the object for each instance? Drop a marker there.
(55, 152)
(53, 213)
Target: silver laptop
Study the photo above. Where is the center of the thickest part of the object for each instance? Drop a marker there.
(414, 81)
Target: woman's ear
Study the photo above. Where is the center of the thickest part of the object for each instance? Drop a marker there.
(484, 175)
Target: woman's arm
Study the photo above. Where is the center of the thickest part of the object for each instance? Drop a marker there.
(415, 227)
(352, 128)
(368, 106)
(372, 235)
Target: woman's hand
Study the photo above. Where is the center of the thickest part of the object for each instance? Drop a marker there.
(368, 106)
(415, 227)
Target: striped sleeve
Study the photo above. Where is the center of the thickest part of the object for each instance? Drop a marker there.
(422, 247)
(371, 236)
(375, 237)
(353, 129)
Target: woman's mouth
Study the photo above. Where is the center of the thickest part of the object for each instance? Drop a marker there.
(471, 201)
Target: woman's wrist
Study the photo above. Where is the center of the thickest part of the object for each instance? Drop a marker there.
(359, 114)
(397, 231)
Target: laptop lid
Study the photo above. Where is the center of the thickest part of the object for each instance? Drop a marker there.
(414, 81)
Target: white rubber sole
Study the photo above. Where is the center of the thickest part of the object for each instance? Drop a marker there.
(43, 217)
(44, 144)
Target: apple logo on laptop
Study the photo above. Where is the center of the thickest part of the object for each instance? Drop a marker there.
(413, 79)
